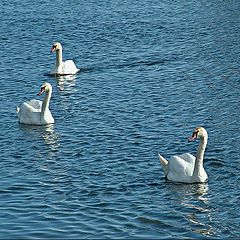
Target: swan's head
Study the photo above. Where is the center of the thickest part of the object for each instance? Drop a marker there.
(55, 47)
(46, 87)
(198, 132)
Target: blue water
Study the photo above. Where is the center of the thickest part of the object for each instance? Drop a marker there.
(151, 71)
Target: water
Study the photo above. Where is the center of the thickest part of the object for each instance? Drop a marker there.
(151, 71)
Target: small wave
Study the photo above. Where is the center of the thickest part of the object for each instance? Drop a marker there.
(147, 220)
(118, 65)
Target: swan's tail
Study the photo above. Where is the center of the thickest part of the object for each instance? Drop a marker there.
(164, 164)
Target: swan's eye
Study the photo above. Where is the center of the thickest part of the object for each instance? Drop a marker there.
(195, 134)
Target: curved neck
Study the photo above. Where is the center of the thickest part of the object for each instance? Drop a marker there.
(46, 100)
(200, 155)
(59, 56)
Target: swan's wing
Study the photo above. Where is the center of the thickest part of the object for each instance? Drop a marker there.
(177, 165)
(69, 64)
(29, 112)
(65, 68)
(69, 67)
(179, 169)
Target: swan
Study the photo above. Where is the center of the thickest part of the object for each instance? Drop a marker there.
(186, 168)
(35, 112)
(61, 67)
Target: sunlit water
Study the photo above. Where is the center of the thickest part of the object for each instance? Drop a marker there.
(151, 71)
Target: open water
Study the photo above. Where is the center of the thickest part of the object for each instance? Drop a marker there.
(151, 71)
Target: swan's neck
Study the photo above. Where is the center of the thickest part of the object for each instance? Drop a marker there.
(46, 100)
(58, 56)
(200, 155)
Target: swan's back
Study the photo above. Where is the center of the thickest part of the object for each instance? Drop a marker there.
(187, 157)
(36, 104)
(30, 106)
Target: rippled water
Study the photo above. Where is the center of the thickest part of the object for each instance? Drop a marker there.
(151, 71)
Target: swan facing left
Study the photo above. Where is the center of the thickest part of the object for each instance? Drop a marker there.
(61, 67)
(35, 112)
(186, 168)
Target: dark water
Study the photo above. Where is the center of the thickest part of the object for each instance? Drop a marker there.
(151, 71)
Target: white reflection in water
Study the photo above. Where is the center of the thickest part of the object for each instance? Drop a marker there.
(46, 132)
(50, 137)
(194, 200)
(66, 81)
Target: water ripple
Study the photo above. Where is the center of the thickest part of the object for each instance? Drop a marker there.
(150, 73)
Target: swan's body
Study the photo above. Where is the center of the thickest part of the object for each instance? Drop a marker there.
(61, 67)
(35, 112)
(186, 168)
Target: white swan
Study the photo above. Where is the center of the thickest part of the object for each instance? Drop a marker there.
(62, 67)
(35, 112)
(186, 168)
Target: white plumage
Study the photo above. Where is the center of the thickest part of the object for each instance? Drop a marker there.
(186, 168)
(35, 112)
(61, 67)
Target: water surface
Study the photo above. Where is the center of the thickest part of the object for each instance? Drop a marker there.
(151, 71)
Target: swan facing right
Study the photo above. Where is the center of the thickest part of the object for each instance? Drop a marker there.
(186, 168)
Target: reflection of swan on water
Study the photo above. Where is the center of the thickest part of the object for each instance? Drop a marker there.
(194, 203)
(186, 168)
(66, 81)
(198, 190)
(45, 132)
(50, 137)
(201, 214)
